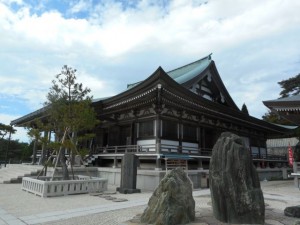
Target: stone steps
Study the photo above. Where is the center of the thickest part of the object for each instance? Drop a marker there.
(89, 161)
(14, 173)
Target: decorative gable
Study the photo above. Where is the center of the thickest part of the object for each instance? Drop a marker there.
(208, 89)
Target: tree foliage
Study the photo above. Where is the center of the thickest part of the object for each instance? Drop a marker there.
(245, 109)
(69, 114)
(69, 104)
(17, 152)
(290, 86)
(273, 117)
(5, 130)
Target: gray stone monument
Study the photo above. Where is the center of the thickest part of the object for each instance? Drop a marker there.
(235, 188)
(172, 202)
(129, 174)
(77, 160)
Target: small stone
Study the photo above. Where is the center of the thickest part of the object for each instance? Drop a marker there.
(136, 219)
(120, 200)
(109, 192)
(104, 196)
(110, 198)
(292, 211)
(273, 222)
(94, 194)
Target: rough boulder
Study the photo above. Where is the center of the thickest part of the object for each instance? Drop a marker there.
(172, 202)
(234, 184)
(292, 211)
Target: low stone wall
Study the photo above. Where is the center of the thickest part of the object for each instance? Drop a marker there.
(45, 188)
(273, 173)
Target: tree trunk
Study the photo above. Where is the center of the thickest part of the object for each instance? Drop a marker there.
(64, 166)
(62, 158)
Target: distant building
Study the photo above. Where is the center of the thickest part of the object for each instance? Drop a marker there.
(179, 114)
(288, 108)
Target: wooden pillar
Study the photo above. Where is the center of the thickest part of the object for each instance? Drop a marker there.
(203, 144)
(107, 141)
(200, 166)
(259, 152)
(133, 138)
(158, 134)
(158, 110)
(115, 162)
(158, 164)
(180, 136)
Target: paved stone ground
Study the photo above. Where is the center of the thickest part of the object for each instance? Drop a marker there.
(20, 207)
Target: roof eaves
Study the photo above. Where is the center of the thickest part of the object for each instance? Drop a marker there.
(29, 116)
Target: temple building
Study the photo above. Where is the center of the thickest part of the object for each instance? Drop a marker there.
(176, 114)
(287, 108)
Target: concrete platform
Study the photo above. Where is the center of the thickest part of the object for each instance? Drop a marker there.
(20, 207)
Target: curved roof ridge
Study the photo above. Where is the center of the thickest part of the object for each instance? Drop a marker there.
(186, 72)
(188, 67)
(198, 69)
(285, 99)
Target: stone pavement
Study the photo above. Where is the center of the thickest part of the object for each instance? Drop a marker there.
(20, 207)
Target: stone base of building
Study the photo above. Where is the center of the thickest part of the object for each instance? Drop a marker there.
(148, 180)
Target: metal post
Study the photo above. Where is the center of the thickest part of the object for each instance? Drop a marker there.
(34, 152)
(7, 148)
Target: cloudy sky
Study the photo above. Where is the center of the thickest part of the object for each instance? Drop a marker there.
(111, 43)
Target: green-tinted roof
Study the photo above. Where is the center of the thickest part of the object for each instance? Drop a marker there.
(187, 72)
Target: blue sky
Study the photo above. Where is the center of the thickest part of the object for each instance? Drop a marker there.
(111, 43)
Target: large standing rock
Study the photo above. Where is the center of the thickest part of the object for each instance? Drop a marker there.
(234, 184)
(172, 202)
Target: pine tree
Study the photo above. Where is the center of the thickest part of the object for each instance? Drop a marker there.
(70, 114)
(290, 86)
(245, 109)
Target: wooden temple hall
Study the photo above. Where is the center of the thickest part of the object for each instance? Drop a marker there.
(173, 115)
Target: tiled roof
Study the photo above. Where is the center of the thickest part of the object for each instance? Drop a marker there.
(186, 72)
(286, 99)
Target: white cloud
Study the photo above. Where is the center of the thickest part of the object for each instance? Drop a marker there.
(81, 5)
(254, 45)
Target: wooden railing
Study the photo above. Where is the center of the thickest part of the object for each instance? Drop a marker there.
(269, 157)
(164, 148)
(117, 149)
(174, 163)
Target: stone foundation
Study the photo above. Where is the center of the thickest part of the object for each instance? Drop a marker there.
(148, 180)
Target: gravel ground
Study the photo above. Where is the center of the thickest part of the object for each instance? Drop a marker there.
(22, 205)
